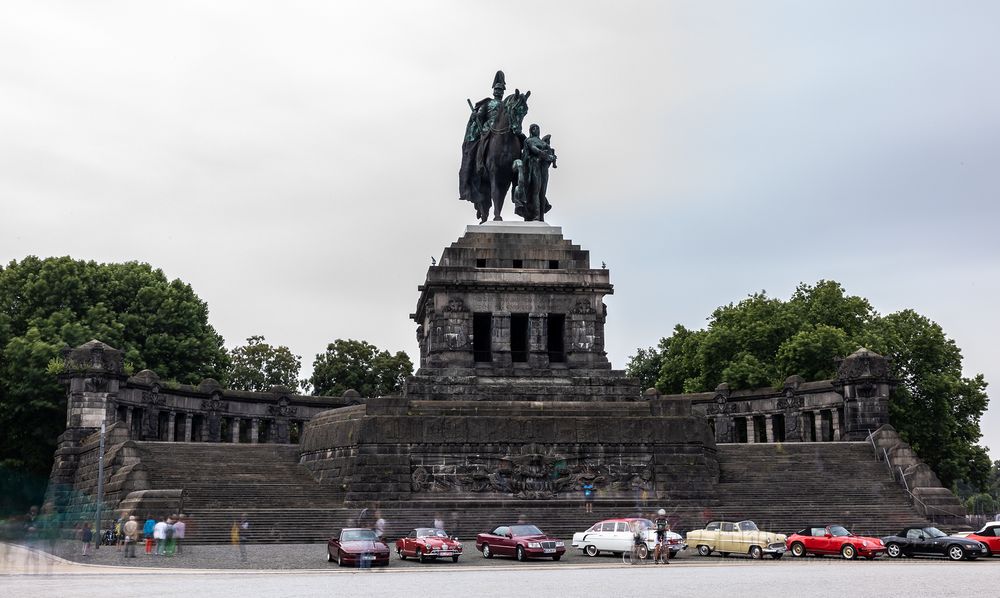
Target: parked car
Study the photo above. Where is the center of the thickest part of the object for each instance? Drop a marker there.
(426, 543)
(615, 536)
(357, 546)
(726, 537)
(988, 535)
(519, 541)
(833, 539)
(916, 540)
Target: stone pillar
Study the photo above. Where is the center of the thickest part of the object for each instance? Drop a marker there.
(171, 425)
(236, 430)
(188, 425)
(254, 430)
(751, 430)
(818, 425)
(128, 419)
(769, 428)
(835, 416)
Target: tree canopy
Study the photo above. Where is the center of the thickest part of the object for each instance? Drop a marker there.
(348, 364)
(762, 340)
(51, 303)
(257, 366)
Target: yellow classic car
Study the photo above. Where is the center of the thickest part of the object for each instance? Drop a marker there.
(727, 538)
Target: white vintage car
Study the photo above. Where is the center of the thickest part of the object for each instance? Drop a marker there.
(615, 536)
(727, 538)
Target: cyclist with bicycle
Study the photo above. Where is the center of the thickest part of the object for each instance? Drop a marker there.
(662, 553)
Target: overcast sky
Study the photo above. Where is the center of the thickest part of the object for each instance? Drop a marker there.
(296, 162)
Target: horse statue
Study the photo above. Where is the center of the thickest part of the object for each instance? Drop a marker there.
(495, 158)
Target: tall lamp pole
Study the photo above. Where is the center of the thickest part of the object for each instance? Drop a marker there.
(100, 489)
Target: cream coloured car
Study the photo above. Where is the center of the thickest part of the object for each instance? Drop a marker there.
(743, 537)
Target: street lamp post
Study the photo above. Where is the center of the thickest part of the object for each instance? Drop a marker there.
(100, 488)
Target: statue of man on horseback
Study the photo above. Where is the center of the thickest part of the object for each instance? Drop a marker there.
(493, 141)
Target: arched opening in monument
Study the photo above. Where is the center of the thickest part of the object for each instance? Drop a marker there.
(137, 423)
(179, 419)
(740, 432)
(519, 338)
(266, 429)
(198, 428)
(245, 430)
(294, 432)
(224, 430)
(555, 338)
(759, 428)
(809, 426)
(162, 421)
(121, 414)
(778, 427)
(826, 425)
(482, 333)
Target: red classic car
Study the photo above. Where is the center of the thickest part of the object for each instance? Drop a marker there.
(426, 543)
(833, 539)
(520, 541)
(989, 536)
(357, 546)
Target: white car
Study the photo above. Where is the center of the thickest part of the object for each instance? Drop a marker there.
(615, 536)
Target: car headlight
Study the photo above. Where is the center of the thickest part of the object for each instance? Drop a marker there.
(560, 544)
(534, 545)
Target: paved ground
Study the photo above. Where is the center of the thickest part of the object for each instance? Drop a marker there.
(573, 576)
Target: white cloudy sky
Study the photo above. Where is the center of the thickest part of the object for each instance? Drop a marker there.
(296, 162)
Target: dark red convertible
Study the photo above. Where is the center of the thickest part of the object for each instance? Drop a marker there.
(425, 543)
(357, 546)
(520, 541)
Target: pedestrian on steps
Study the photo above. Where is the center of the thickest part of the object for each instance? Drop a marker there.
(147, 533)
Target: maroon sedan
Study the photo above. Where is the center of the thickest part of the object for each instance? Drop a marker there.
(426, 543)
(520, 541)
(358, 547)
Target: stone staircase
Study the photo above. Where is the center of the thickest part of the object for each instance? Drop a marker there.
(784, 487)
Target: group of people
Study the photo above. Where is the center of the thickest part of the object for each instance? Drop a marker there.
(162, 536)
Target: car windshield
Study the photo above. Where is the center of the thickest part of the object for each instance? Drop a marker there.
(837, 530)
(748, 526)
(525, 530)
(355, 535)
(430, 532)
(643, 523)
(933, 532)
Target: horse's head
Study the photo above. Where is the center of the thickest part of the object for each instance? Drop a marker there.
(516, 107)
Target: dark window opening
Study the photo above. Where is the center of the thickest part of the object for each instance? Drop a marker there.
(759, 428)
(741, 430)
(481, 263)
(809, 422)
(778, 427)
(482, 331)
(224, 433)
(553, 264)
(180, 421)
(161, 425)
(137, 424)
(519, 338)
(518, 263)
(826, 426)
(198, 428)
(555, 344)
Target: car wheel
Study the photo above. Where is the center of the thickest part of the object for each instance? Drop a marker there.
(704, 550)
(329, 557)
(956, 552)
(673, 554)
(777, 555)
(756, 553)
(893, 550)
(520, 554)
(798, 549)
(454, 559)
(340, 561)
(556, 557)
(848, 552)
(642, 552)
(487, 553)
(591, 550)
(399, 553)
(419, 555)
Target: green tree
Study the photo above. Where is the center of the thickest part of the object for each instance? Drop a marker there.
(257, 366)
(359, 365)
(48, 304)
(762, 340)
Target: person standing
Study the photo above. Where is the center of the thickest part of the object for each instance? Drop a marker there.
(86, 536)
(588, 496)
(179, 529)
(379, 525)
(147, 533)
(168, 536)
(438, 521)
(130, 533)
(160, 537)
(662, 554)
(243, 535)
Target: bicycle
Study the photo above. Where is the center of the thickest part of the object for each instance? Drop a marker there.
(636, 555)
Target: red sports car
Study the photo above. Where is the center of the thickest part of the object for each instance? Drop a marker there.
(357, 546)
(520, 541)
(426, 543)
(989, 535)
(833, 539)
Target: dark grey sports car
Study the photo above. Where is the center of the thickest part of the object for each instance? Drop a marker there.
(932, 541)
